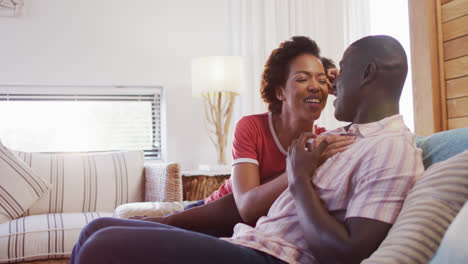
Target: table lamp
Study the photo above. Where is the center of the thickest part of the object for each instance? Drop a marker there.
(217, 79)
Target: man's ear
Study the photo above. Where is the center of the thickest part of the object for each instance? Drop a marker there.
(279, 93)
(369, 73)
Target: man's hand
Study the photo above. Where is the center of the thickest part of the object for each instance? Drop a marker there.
(303, 158)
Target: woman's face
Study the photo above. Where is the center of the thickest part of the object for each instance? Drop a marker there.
(305, 93)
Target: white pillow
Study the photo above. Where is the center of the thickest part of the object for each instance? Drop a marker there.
(151, 209)
(87, 182)
(20, 186)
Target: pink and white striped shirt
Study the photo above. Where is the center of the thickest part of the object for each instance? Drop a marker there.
(370, 179)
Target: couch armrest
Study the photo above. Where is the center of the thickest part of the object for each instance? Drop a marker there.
(163, 182)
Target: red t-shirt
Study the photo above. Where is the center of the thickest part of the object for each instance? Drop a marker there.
(255, 141)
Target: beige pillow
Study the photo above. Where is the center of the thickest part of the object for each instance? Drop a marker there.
(430, 207)
(20, 186)
(87, 182)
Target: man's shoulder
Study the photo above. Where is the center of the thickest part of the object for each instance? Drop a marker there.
(391, 150)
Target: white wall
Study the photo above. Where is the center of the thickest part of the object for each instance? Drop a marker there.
(116, 42)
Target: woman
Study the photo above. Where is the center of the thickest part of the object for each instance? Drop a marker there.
(296, 88)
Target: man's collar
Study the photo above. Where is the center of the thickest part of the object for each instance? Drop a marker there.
(394, 122)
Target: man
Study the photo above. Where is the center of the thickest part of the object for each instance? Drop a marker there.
(337, 213)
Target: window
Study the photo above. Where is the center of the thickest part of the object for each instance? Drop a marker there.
(391, 18)
(61, 119)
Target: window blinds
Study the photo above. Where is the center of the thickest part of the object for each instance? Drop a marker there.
(91, 119)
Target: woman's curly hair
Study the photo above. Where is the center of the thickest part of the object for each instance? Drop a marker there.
(276, 68)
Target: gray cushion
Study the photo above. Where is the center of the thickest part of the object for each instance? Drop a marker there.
(430, 207)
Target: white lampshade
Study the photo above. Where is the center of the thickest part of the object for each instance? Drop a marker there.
(216, 74)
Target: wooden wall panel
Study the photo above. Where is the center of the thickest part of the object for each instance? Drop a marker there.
(439, 51)
(454, 123)
(457, 107)
(440, 46)
(456, 68)
(457, 88)
(455, 28)
(425, 67)
(454, 9)
(456, 48)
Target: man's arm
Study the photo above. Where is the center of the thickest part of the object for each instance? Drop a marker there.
(329, 240)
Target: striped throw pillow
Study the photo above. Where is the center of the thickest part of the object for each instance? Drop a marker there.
(87, 182)
(45, 236)
(20, 186)
(430, 207)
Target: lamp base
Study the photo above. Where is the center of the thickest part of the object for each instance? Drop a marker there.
(218, 111)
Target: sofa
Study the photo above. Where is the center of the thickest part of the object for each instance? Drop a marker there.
(47, 230)
(47, 198)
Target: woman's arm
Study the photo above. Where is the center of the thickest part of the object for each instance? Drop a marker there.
(254, 197)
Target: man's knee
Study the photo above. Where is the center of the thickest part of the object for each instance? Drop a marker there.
(94, 226)
(98, 247)
(100, 223)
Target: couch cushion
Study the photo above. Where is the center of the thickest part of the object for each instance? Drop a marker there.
(443, 145)
(87, 182)
(46, 236)
(20, 186)
(430, 207)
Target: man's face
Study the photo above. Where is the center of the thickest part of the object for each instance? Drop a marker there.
(346, 87)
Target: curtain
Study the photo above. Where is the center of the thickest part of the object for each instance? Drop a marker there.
(259, 26)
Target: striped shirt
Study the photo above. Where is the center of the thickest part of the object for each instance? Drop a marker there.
(370, 180)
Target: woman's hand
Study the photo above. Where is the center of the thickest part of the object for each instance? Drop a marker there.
(303, 158)
(336, 144)
(331, 76)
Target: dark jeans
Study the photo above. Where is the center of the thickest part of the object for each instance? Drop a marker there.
(114, 240)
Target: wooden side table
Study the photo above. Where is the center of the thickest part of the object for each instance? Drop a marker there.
(197, 185)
